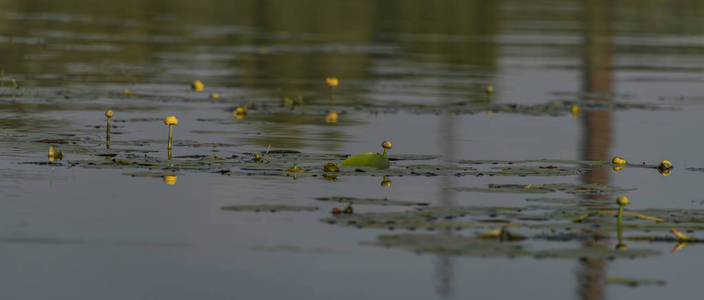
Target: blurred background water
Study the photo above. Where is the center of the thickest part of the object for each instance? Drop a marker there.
(83, 233)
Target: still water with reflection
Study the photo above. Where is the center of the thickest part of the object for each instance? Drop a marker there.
(87, 233)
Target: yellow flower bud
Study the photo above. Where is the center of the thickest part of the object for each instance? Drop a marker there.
(575, 110)
(171, 120)
(240, 112)
(170, 180)
(622, 200)
(214, 96)
(331, 117)
(127, 92)
(386, 145)
(618, 160)
(332, 81)
(197, 85)
(109, 113)
(489, 89)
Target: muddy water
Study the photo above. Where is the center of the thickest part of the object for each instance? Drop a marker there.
(86, 233)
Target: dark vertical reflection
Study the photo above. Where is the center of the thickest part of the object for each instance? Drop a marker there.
(596, 137)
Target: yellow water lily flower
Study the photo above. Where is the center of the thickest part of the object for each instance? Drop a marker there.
(489, 89)
(332, 81)
(127, 92)
(665, 164)
(240, 112)
(575, 110)
(214, 96)
(109, 113)
(618, 160)
(170, 180)
(171, 120)
(197, 86)
(331, 117)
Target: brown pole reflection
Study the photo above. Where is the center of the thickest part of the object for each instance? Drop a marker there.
(596, 137)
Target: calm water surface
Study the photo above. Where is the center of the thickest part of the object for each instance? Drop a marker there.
(93, 233)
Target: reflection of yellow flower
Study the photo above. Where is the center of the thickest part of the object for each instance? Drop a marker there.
(332, 81)
(214, 96)
(621, 246)
(385, 182)
(109, 113)
(171, 120)
(240, 112)
(618, 160)
(197, 85)
(665, 164)
(575, 110)
(331, 117)
(665, 172)
(618, 168)
(170, 180)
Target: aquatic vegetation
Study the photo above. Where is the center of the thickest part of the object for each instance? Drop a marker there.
(371, 201)
(585, 189)
(197, 86)
(127, 92)
(331, 167)
(54, 155)
(269, 208)
(681, 237)
(214, 96)
(369, 159)
(665, 168)
(633, 282)
(171, 121)
(332, 82)
(108, 114)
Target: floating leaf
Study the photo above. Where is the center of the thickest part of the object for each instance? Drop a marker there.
(367, 159)
(633, 282)
(371, 201)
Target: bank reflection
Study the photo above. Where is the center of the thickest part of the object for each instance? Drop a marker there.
(596, 127)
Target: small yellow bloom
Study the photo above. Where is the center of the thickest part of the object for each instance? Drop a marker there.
(51, 151)
(214, 96)
(197, 86)
(575, 110)
(332, 81)
(127, 92)
(618, 161)
(489, 89)
(171, 120)
(170, 180)
(622, 200)
(240, 112)
(386, 145)
(109, 113)
(331, 117)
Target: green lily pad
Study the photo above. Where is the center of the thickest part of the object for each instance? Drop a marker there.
(367, 159)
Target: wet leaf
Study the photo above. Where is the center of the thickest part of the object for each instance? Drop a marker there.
(268, 208)
(367, 159)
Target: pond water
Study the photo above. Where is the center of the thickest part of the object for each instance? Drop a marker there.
(119, 219)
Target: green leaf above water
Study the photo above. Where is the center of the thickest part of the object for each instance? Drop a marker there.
(367, 159)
